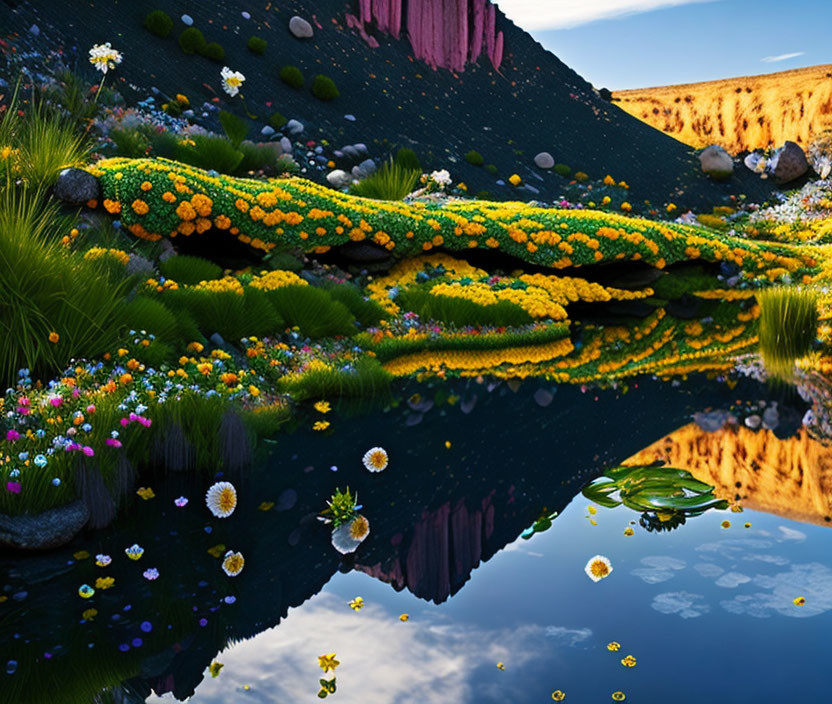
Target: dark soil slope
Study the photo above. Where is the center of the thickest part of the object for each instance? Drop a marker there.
(533, 103)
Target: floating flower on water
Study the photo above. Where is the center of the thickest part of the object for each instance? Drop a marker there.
(327, 687)
(628, 661)
(328, 663)
(104, 57)
(54, 337)
(323, 407)
(375, 459)
(214, 668)
(266, 506)
(80, 555)
(151, 574)
(501, 666)
(357, 604)
(558, 695)
(598, 567)
(613, 646)
(799, 601)
(217, 550)
(447, 444)
(85, 591)
(180, 502)
(320, 425)
(592, 510)
(104, 582)
(747, 525)
(221, 499)
(134, 552)
(404, 617)
(103, 560)
(231, 81)
(89, 614)
(618, 696)
(146, 493)
(347, 537)
(726, 524)
(628, 531)
(233, 563)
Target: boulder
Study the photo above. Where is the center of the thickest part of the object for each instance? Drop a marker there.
(364, 169)
(47, 530)
(76, 186)
(791, 163)
(716, 162)
(338, 178)
(286, 145)
(294, 127)
(300, 28)
(267, 131)
(544, 160)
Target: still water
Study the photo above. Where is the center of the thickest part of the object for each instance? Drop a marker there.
(706, 610)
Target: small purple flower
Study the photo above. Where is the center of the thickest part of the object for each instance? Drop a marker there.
(12, 435)
(56, 401)
(13, 487)
(151, 574)
(113, 442)
(181, 501)
(88, 451)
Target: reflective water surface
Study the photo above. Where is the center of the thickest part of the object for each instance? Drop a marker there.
(705, 606)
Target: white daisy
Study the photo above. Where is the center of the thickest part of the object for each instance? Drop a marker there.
(598, 567)
(233, 563)
(221, 499)
(375, 459)
(347, 537)
(231, 81)
(104, 57)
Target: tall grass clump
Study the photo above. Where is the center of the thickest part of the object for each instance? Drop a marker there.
(461, 312)
(366, 311)
(312, 310)
(390, 182)
(788, 327)
(184, 269)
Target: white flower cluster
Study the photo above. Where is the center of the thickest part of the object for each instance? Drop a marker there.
(231, 81)
(809, 203)
(104, 57)
(441, 178)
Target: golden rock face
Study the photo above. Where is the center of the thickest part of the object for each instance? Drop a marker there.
(757, 470)
(739, 113)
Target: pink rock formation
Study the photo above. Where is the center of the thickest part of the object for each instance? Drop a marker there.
(444, 33)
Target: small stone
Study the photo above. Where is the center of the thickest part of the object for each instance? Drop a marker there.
(294, 127)
(34, 29)
(364, 169)
(267, 131)
(286, 145)
(753, 421)
(300, 28)
(246, 15)
(544, 160)
(187, 19)
(716, 162)
(351, 118)
(338, 178)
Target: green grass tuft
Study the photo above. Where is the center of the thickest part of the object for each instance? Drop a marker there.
(788, 327)
(184, 269)
(390, 182)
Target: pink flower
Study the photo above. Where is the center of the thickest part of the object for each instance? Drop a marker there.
(13, 487)
(91, 408)
(75, 393)
(113, 442)
(181, 502)
(88, 451)
(56, 401)
(124, 422)
(22, 410)
(12, 435)
(23, 401)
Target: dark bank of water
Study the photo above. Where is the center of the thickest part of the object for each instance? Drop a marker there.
(706, 611)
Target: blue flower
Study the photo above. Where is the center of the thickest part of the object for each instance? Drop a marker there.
(40, 461)
(23, 456)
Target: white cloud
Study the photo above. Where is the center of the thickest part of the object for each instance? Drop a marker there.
(564, 14)
(782, 57)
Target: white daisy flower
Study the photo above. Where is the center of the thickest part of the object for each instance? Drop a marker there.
(598, 567)
(233, 563)
(221, 499)
(375, 459)
(104, 57)
(347, 537)
(231, 81)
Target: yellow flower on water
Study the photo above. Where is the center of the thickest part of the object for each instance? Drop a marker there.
(146, 493)
(558, 695)
(628, 531)
(266, 506)
(618, 696)
(799, 601)
(81, 555)
(217, 550)
(89, 614)
(320, 425)
(725, 524)
(629, 661)
(215, 667)
(323, 407)
(375, 459)
(54, 337)
(447, 444)
(233, 563)
(592, 510)
(357, 604)
(501, 666)
(328, 662)
(404, 617)
(221, 499)
(598, 568)
(747, 525)
(104, 582)
(613, 646)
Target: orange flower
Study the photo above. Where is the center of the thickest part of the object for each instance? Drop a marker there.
(54, 337)
(140, 207)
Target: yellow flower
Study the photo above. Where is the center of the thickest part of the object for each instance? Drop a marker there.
(146, 493)
(501, 666)
(328, 662)
(799, 601)
(404, 617)
(217, 550)
(320, 425)
(233, 563)
(89, 614)
(214, 668)
(618, 696)
(221, 499)
(54, 337)
(357, 604)
(323, 407)
(104, 582)
(628, 531)
(626, 207)
(592, 510)
(628, 661)
(598, 568)
(558, 695)
(515, 180)
(725, 524)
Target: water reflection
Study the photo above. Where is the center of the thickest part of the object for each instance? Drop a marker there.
(465, 480)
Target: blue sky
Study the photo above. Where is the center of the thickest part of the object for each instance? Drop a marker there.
(637, 43)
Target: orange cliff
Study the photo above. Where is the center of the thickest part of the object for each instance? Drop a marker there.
(790, 478)
(739, 114)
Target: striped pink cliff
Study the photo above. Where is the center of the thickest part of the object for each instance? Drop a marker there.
(443, 33)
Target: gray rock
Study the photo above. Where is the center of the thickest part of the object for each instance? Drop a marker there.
(76, 186)
(716, 162)
(246, 15)
(34, 29)
(187, 19)
(531, 189)
(361, 147)
(46, 530)
(294, 127)
(544, 160)
(364, 252)
(791, 163)
(351, 118)
(189, 114)
(300, 28)
(711, 421)
(364, 169)
(338, 154)
(286, 145)
(351, 152)
(267, 131)
(338, 178)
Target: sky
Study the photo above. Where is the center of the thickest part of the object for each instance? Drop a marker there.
(620, 44)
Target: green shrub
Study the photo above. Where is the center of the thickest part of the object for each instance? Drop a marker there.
(407, 159)
(258, 157)
(189, 271)
(235, 128)
(474, 158)
(312, 310)
(461, 312)
(159, 23)
(153, 316)
(284, 260)
(563, 170)
(490, 168)
(256, 45)
(367, 378)
(484, 195)
(390, 182)
(788, 327)
(324, 88)
(210, 152)
(192, 41)
(213, 51)
(292, 77)
(277, 120)
(164, 144)
(172, 108)
(129, 142)
(366, 311)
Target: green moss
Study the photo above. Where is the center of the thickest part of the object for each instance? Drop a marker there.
(563, 170)
(324, 88)
(159, 23)
(491, 169)
(192, 41)
(312, 310)
(474, 158)
(213, 51)
(277, 121)
(292, 76)
(257, 45)
(461, 312)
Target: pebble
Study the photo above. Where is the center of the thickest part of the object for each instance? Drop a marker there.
(267, 131)
(351, 118)
(187, 19)
(246, 15)
(34, 29)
